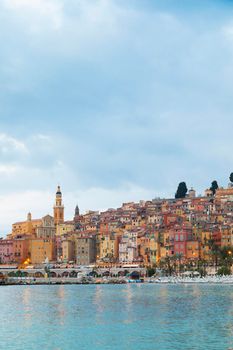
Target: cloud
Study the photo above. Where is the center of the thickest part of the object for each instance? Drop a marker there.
(9, 144)
(100, 94)
(37, 13)
(8, 169)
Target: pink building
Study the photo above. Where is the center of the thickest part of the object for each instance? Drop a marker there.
(6, 251)
(181, 236)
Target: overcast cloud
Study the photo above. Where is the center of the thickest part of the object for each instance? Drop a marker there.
(114, 100)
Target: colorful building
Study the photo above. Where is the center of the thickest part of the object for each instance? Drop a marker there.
(6, 251)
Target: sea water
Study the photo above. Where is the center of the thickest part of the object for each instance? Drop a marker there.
(101, 317)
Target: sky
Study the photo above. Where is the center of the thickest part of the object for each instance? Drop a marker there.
(114, 100)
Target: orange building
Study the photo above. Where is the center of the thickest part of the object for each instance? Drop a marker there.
(21, 249)
(41, 250)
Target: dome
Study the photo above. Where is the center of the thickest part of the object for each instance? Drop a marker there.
(58, 190)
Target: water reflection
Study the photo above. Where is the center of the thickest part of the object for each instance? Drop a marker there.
(129, 301)
(61, 310)
(27, 308)
(98, 299)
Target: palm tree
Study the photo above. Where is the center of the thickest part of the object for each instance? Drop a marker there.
(226, 256)
(178, 257)
(215, 251)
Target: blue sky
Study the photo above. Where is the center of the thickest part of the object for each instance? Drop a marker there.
(115, 100)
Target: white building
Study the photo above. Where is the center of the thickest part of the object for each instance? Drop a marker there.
(128, 247)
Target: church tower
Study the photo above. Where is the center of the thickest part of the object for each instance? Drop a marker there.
(77, 211)
(58, 209)
(77, 218)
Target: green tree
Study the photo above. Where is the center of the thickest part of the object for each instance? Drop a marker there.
(150, 271)
(231, 177)
(214, 186)
(181, 190)
(168, 266)
(224, 270)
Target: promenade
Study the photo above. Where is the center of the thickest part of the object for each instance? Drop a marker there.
(117, 280)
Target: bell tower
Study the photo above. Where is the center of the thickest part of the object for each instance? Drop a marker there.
(58, 209)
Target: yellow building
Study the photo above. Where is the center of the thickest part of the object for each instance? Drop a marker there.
(143, 245)
(62, 229)
(68, 250)
(41, 250)
(205, 250)
(108, 247)
(155, 251)
(27, 227)
(193, 250)
(164, 252)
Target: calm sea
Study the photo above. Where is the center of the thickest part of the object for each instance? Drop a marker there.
(140, 317)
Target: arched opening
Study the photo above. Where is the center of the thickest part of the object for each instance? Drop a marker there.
(52, 274)
(19, 273)
(73, 274)
(12, 274)
(93, 273)
(65, 274)
(24, 274)
(106, 273)
(38, 274)
(135, 275)
(121, 273)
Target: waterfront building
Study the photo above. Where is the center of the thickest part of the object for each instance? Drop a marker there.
(6, 251)
(193, 250)
(154, 251)
(58, 248)
(143, 245)
(148, 231)
(41, 250)
(21, 248)
(85, 250)
(128, 251)
(68, 250)
(108, 247)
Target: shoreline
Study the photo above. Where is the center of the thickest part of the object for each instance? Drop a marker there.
(98, 281)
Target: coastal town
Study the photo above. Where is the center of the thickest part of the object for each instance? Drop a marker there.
(184, 233)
